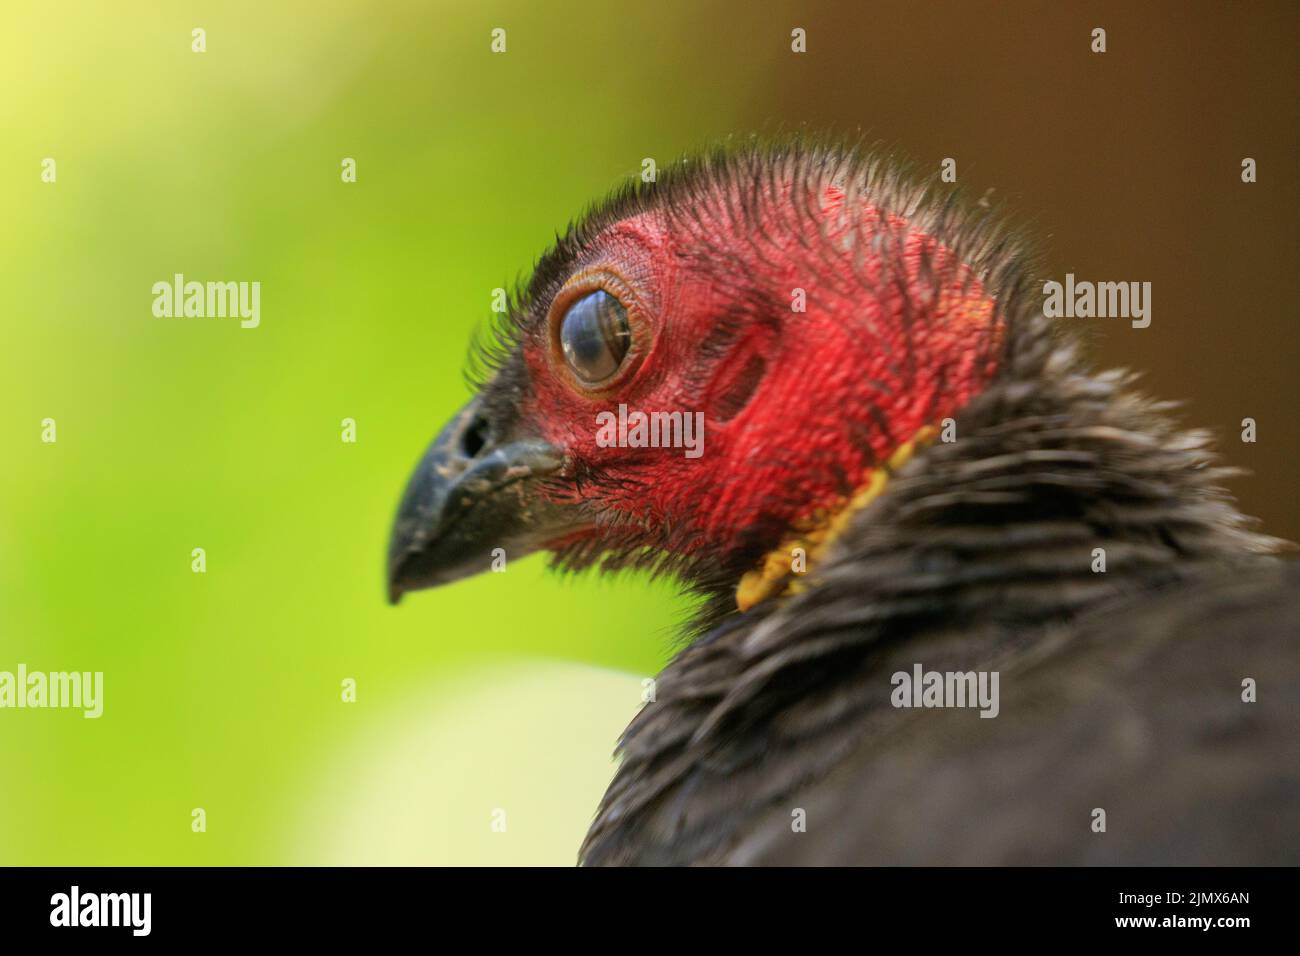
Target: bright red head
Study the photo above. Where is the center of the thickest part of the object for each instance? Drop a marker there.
(815, 309)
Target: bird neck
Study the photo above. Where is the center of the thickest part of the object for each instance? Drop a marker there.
(782, 568)
(1061, 488)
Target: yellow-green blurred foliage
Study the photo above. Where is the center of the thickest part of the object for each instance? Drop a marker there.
(222, 690)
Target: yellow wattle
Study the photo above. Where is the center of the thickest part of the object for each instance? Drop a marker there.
(776, 575)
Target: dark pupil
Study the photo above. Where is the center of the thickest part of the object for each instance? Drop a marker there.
(595, 336)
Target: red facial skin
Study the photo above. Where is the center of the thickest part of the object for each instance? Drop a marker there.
(879, 353)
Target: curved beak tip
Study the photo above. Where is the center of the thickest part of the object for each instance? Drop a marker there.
(460, 507)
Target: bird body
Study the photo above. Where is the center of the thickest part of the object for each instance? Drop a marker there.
(1121, 690)
(907, 470)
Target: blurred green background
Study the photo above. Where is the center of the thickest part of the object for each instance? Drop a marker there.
(508, 691)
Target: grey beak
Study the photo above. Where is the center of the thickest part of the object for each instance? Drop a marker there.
(469, 496)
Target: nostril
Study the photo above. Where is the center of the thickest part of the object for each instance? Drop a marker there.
(475, 437)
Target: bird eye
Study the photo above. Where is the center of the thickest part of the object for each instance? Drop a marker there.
(595, 336)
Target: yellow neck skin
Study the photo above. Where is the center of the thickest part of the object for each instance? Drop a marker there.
(776, 575)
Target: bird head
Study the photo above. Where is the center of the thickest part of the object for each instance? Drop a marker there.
(707, 365)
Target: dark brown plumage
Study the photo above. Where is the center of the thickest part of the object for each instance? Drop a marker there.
(1120, 690)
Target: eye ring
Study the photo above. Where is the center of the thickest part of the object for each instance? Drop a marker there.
(596, 332)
